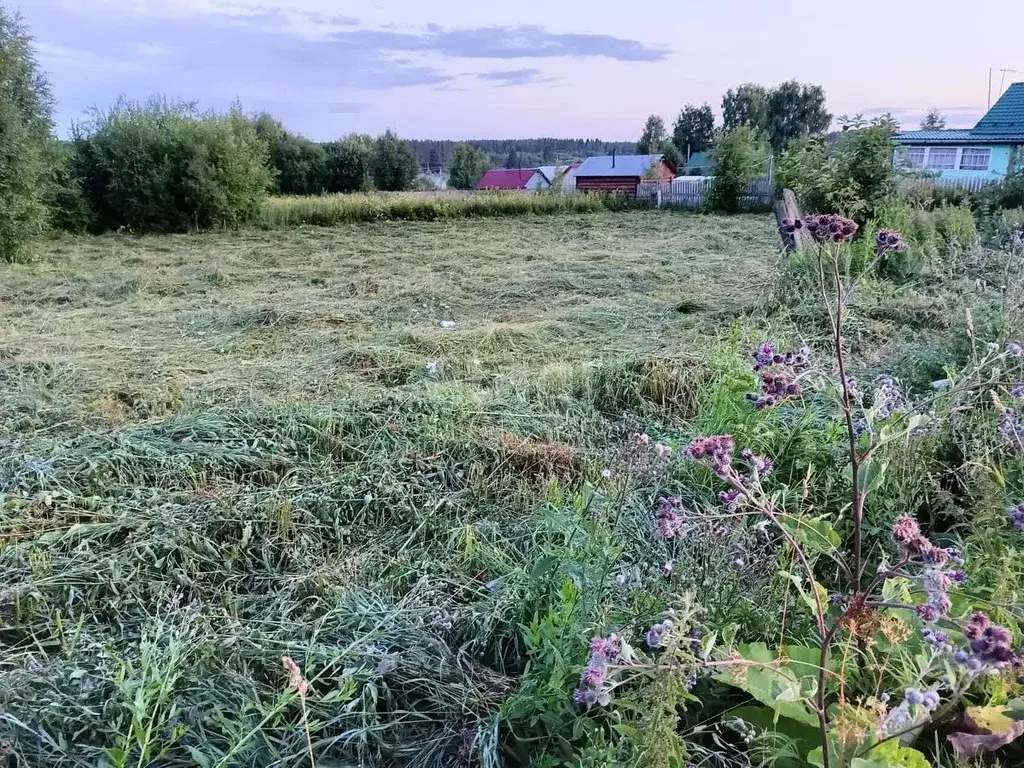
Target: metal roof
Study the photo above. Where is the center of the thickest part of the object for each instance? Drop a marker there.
(506, 178)
(1002, 124)
(1006, 116)
(932, 137)
(549, 172)
(625, 165)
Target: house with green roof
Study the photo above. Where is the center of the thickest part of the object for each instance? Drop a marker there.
(987, 152)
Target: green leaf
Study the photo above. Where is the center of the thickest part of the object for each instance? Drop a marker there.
(805, 596)
(870, 475)
(896, 591)
(543, 566)
(200, 759)
(1015, 709)
(775, 687)
(815, 535)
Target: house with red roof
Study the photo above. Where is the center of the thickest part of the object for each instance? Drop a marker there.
(506, 178)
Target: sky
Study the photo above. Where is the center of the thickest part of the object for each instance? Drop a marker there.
(464, 69)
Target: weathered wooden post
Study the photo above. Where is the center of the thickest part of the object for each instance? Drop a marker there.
(786, 207)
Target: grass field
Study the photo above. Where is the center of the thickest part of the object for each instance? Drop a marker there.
(218, 450)
(115, 330)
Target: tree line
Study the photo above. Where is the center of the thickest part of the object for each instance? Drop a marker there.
(437, 155)
(774, 115)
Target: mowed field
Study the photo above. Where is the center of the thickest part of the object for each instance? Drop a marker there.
(115, 330)
(222, 449)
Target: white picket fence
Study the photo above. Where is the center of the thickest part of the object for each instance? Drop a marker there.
(692, 191)
(967, 184)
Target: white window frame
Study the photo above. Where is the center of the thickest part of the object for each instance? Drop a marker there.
(978, 166)
(924, 154)
(954, 162)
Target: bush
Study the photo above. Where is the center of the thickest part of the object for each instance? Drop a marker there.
(851, 180)
(348, 164)
(300, 164)
(1003, 229)
(162, 167)
(393, 165)
(468, 165)
(69, 211)
(25, 139)
(740, 157)
(1008, 194)
(955, 224)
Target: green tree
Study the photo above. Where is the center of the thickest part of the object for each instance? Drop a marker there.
(434, 163)
(512, 161)
(933, 121)
(468, 165)
(653, 137)
(740, 157)
(164, 167)
(300, 164)
(746, 105)
(852, 179)
(348, 163)
(694, 129)
(673, 156)
(393, 165)
(26, 142)
(796, 110)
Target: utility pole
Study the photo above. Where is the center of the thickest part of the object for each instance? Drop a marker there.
(989, 105)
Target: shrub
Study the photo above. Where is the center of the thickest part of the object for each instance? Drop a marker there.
(25, 139)
(393, 165)
(851, 179)
(69, 211)
(468, 165)
(1003, 229)
(163, 167)
(955, 224)
(740, 157)
(348, 164)
(300, 164)
(1008, 194)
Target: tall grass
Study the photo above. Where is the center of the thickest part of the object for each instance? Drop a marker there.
(329, 210)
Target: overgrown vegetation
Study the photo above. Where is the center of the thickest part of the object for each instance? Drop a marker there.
(25, 143)
(329, 210)
(740, 157)
(162, 167)
(415, 470)
(468, 165)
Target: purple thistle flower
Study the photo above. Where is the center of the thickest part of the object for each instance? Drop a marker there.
(829, 227)
(1016, 515)
(656, 634)
(889, 241)
(668, 522)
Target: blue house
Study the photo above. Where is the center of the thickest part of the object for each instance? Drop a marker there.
(987, 152)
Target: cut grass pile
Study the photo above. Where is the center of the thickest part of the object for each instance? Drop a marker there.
(218, 450)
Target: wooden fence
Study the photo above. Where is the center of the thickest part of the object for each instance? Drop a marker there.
(692, 191)
(966, 184)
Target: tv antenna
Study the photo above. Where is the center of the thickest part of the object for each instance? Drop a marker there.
(1002, 81)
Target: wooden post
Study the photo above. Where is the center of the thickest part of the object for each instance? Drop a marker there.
(786, 207)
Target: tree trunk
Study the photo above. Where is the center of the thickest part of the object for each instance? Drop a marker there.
(786, 208)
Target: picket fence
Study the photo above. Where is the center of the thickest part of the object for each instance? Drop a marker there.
(692, 191)
(966, 184)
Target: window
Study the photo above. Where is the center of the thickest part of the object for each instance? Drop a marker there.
(915, 155)
(941, 158)
(975, 158)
